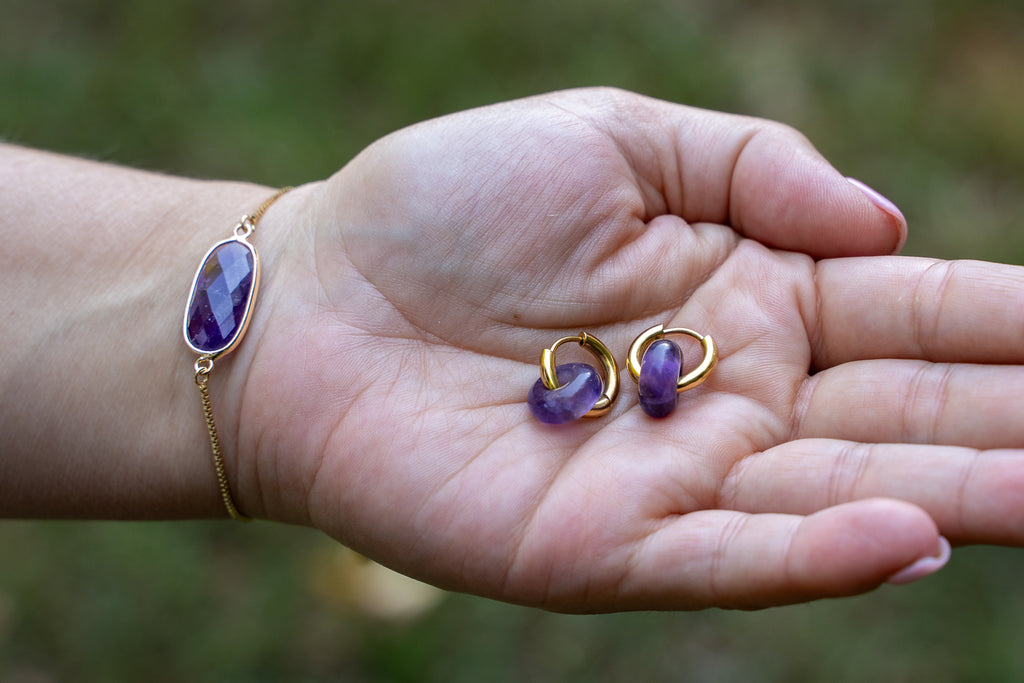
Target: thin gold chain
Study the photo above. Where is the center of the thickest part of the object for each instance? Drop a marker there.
(203, 367)
(258, 213)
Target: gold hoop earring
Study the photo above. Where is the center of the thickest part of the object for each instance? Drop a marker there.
(655, 364)
(574, 390)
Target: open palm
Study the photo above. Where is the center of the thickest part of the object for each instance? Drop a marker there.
(385, 399)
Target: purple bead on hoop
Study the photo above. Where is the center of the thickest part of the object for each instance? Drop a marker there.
(580, 388)
(655, 364)
(574, 390)
(659, 372)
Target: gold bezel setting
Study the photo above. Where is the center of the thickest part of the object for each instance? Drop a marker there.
(236, 337)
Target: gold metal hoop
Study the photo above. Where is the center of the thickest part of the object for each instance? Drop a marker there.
(594, 345)
(691, 379)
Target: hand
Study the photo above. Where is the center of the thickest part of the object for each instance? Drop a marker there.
(839, 436)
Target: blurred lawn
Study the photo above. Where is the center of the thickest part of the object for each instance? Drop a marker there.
(922, 100)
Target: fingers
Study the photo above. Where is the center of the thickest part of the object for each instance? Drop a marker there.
(732, 559)
(787, 196)
(902, 401)
(973, 496)
(763, 179)
(953, 311)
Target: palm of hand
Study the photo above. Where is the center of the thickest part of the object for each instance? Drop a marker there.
(473, 244)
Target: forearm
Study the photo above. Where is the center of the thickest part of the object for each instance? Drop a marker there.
(100, 415)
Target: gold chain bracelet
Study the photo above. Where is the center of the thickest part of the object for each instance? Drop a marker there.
(218, 312)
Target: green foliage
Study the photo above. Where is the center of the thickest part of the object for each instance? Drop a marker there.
(922, 100)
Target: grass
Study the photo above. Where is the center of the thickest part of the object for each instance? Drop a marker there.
(922, 100)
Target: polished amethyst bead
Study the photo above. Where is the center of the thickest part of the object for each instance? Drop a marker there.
(580, 388)
(659, 375)
(222, 294)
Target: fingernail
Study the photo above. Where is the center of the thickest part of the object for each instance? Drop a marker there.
(926, 566)
(885, 205)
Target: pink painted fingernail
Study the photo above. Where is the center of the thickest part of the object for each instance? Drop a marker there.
(923, 567)
(885, 205)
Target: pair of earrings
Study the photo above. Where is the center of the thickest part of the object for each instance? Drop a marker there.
(574, 390)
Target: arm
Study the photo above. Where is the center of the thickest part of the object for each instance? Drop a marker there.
(380, 393)
(101, 416)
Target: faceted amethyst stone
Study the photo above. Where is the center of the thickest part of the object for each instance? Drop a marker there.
(659, 374)
(580, 388)
(221, 297)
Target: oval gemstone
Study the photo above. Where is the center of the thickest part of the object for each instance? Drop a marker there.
(580, 388)
(659, 375)
(222, 295)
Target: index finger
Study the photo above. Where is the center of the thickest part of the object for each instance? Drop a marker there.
(904, 307)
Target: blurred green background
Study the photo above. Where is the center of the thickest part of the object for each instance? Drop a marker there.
(922, 100)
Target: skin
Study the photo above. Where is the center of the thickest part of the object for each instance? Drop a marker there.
(864, 405)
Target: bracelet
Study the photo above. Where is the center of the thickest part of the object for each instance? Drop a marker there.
(217, 315)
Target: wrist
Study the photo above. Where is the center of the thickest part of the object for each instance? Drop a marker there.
(245, 387)
(107, 422)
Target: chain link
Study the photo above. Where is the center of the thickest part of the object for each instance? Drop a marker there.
(202, 381)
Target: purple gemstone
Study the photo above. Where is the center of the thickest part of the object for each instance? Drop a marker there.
(580, 388)
(221, 297)
(659, 375)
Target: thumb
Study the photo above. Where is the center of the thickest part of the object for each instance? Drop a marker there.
(788, 196)
(763, 179)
